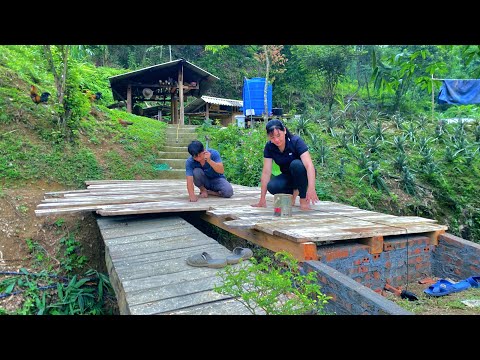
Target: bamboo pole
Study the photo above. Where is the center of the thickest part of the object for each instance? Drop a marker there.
(433, 98)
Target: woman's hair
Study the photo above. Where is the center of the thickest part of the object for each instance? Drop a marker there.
(276, 124)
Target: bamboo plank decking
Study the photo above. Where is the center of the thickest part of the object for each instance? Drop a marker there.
(145, 258)
(299, 234)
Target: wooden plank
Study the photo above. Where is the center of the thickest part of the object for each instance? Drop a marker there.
(68, 210)
(150, 261)
(318, 230)
(177, 303)
(104, 199)
(140, 220)
(158, 280)
(143, 247)
(165, 237)
(169, 266)
(300, 251)
(153, 276)
(184, 288)
(138, 229)
(222, 307)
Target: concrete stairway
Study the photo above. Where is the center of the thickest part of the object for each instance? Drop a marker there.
(175, 151)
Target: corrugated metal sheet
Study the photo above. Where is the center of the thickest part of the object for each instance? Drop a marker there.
(222, 101)
(199, 102)
(169, 64)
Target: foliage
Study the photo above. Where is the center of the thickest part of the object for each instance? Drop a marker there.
(60, 287)
(241, 151)
(71, 250)
(276, 287)
(329, 64)
(51, 294)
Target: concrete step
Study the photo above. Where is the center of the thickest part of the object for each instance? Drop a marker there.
(180, 132)
(176, 148)
(172, 155)
(173, 141)
(173, 135)
(190, 129)
(171, 174)
(173, 163)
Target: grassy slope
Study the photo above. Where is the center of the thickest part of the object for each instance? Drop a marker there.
(30, 146)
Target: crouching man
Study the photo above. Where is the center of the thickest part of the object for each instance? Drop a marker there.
(204, 169)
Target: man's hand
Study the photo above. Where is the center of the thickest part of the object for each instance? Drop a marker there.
(207, 155)
(193, 198)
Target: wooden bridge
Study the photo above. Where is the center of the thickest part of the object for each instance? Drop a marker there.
(145, 254)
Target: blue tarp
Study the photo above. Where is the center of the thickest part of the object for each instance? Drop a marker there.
(459, 92)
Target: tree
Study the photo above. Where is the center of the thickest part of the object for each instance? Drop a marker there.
(328, 64)
(394, 73)
(60, 77)
(271, 56)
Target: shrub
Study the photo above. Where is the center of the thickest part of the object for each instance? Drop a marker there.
(276, 287)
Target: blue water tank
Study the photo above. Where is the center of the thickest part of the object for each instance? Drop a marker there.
(253, 95)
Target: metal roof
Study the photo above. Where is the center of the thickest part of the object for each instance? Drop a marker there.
(152, 75)
(222, 101)
(197, 103)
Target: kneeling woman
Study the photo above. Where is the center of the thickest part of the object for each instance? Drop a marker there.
(291, 154)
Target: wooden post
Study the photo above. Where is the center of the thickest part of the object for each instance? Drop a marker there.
(433, 235)
(129, 98)
(375, 243)
(207, 114)
(173, 107)
(181, 120)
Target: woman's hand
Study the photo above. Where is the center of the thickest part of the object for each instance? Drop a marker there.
(311, 196)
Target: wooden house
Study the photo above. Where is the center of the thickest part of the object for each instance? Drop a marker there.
(167, 85)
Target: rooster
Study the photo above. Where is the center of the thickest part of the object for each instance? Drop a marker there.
(125, 123)
(37, 99)
(92, 96)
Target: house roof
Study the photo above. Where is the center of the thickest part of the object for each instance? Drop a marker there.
(150, 77)
(197, 103)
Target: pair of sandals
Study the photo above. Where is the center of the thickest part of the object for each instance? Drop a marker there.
(444, 287)
(205, 259)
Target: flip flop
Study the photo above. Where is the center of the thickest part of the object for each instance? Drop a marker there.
(239, 254)
(205, 260)
(474, 281)
(444, 287)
